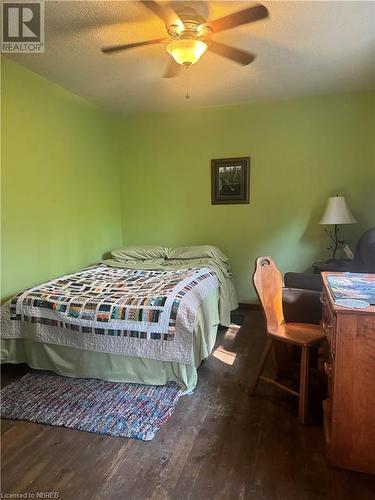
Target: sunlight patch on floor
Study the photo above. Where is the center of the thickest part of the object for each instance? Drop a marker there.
(226, 357)
(222, 354)
(232, 331)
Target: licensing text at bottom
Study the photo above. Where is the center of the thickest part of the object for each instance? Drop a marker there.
(31, 494)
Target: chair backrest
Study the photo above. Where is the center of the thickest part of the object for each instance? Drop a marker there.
(268, 285)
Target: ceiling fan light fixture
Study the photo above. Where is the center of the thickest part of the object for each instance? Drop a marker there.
(186, 51)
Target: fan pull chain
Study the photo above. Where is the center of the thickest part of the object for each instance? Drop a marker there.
(187, 96)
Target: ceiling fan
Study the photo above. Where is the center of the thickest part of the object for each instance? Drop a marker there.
(190, 35)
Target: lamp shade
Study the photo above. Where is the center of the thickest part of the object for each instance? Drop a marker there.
(337, 212)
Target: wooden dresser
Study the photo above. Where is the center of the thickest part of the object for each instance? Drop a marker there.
(349, 411)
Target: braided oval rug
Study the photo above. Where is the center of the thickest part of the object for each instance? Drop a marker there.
(92, 405)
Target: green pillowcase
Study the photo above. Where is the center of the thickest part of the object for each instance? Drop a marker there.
(158, 254)
(197, 252)
(139, 253)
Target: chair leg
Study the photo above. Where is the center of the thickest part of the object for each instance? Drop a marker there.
(260, 367)
(303, 385)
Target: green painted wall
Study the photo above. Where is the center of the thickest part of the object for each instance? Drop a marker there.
(60, 195)
(62, 160)
(302, 151)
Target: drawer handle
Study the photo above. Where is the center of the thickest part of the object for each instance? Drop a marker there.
(327, 327)
(323, 299)
(328, 368)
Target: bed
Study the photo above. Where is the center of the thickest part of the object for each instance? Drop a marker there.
(148, 315)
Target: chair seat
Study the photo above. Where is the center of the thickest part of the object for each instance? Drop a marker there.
(297, 333)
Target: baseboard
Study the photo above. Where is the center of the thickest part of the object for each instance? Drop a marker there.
(252, 307)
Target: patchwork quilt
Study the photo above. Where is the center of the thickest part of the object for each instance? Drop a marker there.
(133, 312)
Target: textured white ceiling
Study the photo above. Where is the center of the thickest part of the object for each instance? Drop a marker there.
(303, 48)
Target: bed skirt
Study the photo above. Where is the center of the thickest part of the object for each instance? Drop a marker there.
(72, 362)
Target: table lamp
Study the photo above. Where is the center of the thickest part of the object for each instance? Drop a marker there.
(336, 212)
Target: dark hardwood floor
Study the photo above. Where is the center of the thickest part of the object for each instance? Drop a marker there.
(219, 444)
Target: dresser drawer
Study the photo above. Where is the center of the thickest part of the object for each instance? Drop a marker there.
(329, 370)
(329, 324)
(327, 420)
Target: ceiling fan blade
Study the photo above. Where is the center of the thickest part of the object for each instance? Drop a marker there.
(172, 69)
(242, 17)
(165, 12)
(237, 55)
(116, 48)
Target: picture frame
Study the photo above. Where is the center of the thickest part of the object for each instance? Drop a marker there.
(230, 181)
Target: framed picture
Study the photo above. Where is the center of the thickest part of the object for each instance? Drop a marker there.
(230, 181)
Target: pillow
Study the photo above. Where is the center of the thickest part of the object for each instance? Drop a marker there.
(139, 253)
(197, 252)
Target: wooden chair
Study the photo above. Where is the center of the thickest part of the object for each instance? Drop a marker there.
(268, 285)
